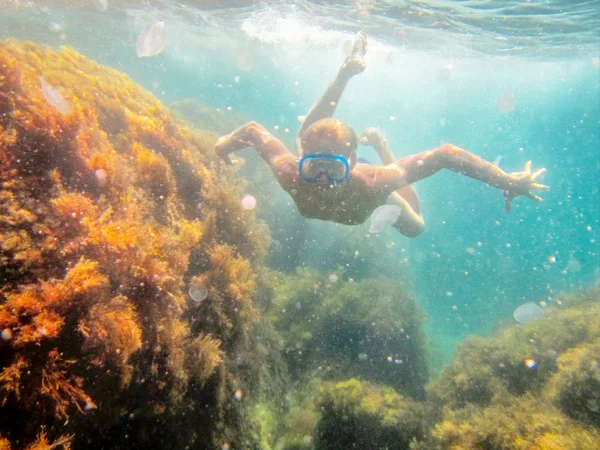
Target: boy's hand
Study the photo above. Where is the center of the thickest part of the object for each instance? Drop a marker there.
(522, 183)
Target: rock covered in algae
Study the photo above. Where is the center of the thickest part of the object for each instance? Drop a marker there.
(107, 214)
(362, 415)
(491, 397)
(370, 329)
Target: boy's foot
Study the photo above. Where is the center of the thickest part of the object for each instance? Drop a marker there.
(355, 63)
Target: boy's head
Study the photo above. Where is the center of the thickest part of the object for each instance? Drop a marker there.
(330, 136)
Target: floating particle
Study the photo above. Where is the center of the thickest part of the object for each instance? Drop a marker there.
(445, 72)
(238, 394)
(543, 304)
(248, 202)
(449, 293)
(229, 108)
(292, 105)
(237, 79)
(56, 27)
(392, 118)
(54, 97)
(287, 130)
(454, 307)
(244, 59)
(298, 306)
(398, 361)
(552, 258)
(153, 40)
(528, 312)
(383, 217)
(530, 363)
(470, 250)
(332, 278)
(301, 119)
(363, 356)
(389, 358)
(331, 103)
(6, 334)
(225, 446)
(101, 5)
(198, 292)
(101, 177)
(507, 102)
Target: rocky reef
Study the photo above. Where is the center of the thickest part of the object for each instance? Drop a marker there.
(531, 386)
(333, 327)
(110, 209)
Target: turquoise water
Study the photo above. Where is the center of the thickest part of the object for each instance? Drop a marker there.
(474, 264)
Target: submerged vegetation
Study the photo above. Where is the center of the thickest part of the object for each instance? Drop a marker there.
(106, 214)
(137, 311)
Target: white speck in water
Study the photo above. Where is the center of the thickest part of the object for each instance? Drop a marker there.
(383, 217)
(363, 356)
(238, 394)
(298, 306)
(153, 40)
(301, 119)
(6, 334)
(56, 27)
(507, 102)
(392, 118)
(198, 292)
(528, 312)
(530, 363)
(54, 97)
(101, 177)
(101, 5)
(237, 79)
(332, 278)
(248, 202)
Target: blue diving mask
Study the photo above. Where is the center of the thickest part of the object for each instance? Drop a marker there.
(315, 165)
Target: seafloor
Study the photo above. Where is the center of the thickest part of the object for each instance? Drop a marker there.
(111, 210)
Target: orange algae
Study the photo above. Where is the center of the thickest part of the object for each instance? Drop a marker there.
(106, 213)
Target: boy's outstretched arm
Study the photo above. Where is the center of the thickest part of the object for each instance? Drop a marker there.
(422, 165)
(326, 105)
(252, 135)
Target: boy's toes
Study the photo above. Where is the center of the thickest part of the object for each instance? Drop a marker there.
(360, 44)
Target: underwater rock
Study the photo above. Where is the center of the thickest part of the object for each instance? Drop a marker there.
(337, 322)
(575, 388)
(491, 395)
(361, 415)
(100, 232)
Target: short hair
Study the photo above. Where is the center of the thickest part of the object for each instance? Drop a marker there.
(329, 136)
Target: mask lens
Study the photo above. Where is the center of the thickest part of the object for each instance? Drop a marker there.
(333, 167)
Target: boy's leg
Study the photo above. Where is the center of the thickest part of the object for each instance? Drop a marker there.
(410, 223)
(325, 106)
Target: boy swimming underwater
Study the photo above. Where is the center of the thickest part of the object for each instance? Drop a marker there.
(327, 182)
